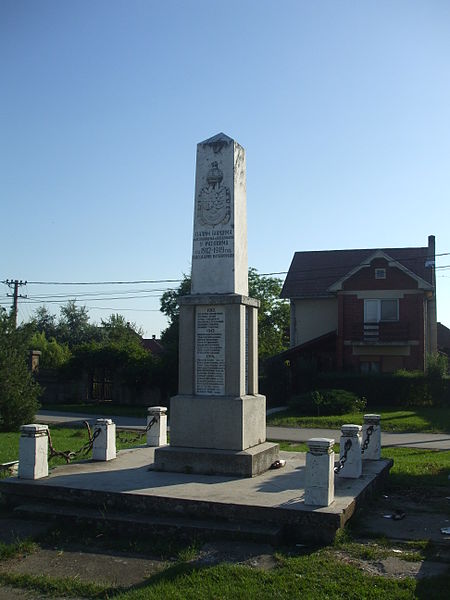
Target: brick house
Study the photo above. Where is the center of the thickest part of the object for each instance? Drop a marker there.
(366, 310)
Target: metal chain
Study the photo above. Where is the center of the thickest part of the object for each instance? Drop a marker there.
(130, 440)
(69, 455)
(366, 442)
(343, 459)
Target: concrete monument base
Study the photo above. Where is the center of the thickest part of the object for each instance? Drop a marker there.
(218, 422)
(206, 461)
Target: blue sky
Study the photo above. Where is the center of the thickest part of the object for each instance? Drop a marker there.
(343, 108)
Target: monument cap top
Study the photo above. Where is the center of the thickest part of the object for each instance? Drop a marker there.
(372, 417)
(219, 137)
(33, 429)
(156, 410)
(350, 429)
(320, 445)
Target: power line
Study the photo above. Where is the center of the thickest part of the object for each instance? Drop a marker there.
(136, 282)
(155, 281)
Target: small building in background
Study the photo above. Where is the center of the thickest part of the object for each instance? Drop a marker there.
(365, 310)
(153, 345)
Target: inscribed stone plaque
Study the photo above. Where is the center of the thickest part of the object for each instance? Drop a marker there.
(210, 351)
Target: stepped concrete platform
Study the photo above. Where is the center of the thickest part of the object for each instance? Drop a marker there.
(127, 491)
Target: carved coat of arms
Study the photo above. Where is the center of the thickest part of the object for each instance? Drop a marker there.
(214, 199)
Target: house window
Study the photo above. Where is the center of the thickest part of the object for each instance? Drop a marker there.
(380, 273)
(385, 309)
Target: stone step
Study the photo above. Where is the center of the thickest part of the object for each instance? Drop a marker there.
(161, 525)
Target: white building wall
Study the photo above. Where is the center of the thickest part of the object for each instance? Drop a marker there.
(312, 318)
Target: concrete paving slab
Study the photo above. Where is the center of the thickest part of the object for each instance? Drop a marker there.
(132, 472)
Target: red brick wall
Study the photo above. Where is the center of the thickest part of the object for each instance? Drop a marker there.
(411, 308)
(364, 279)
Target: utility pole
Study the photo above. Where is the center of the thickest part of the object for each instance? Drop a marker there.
(15, 296)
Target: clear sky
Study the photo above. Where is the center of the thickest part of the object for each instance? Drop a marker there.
(343, 108)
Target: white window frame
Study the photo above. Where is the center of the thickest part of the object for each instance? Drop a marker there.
(374, 306)
(380, 273)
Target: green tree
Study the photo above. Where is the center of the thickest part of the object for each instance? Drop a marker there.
(116, 328)
(169, 300)
(273, 314)
(18, 392)
(74, 327)
(53, 354)
(44, 321)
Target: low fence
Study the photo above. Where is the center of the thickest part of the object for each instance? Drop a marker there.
(357, 443)
(36, 447)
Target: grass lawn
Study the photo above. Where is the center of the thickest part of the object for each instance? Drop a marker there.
(420, 419)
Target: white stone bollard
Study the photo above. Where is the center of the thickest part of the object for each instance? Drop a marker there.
(319, 476)
(350, 451)
(371, 438)
(33, 451)
(157, 434)
(104, 447)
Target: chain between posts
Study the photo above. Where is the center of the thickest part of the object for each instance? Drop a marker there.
(130, 440)
(366, 442)
(69, 455)
(343, 459)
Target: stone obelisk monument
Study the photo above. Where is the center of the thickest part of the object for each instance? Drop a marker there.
(218, 419)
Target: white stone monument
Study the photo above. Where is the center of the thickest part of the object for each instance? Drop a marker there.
(218, 419)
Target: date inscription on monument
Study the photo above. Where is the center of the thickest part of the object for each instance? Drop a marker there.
(210, 351)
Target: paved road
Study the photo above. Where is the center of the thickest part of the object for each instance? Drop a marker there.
(433, 441)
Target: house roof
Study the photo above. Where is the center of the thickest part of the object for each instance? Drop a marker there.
(311, 274)
(443, 336)
(153, 345)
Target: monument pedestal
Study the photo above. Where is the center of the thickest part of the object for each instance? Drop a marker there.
(218, 422)
(209, 461)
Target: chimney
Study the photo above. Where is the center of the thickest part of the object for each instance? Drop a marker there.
(431, 246)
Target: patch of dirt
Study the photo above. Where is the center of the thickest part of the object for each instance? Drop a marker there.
(395, 567)
(257, 556)
(111, 569)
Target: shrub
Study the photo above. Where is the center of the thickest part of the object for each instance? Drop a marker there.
(275, 381)
(328, 402)
(437, 365)
(18, 392)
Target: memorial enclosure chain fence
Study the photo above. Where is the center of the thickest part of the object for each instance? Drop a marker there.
(126, 439)
(343, 459)
(366, 442)
(69, 455)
